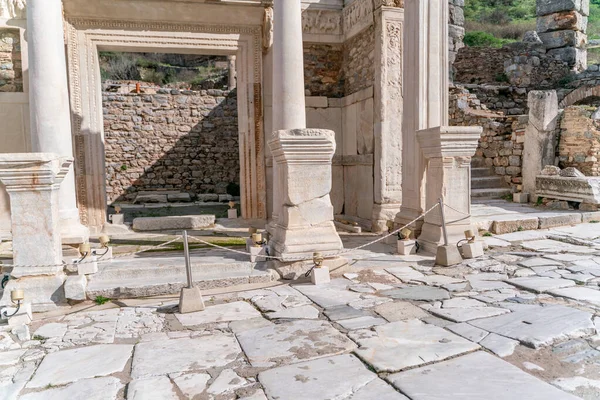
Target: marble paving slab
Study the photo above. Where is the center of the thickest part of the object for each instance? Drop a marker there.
(331, 294)
(477, 376)
(85, 389)
(423, 293)
(579, 293)
(540, 284)
(226, 312)
(467, 314)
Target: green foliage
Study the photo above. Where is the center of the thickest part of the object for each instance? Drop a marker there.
(483, 39)
(101, 300)
(487, 234)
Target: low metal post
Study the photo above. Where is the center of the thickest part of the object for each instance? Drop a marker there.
(441, 202)
(188, 264)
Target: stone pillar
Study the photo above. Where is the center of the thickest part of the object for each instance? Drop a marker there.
(49, 104)
(305, 224)
(448, 151)
(232, 83)
(388, 103)
(32, 181)
(539, 148)
(289, 107)
(562, 26)
(425, 80)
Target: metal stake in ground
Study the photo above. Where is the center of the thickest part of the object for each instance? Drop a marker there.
(190, 299)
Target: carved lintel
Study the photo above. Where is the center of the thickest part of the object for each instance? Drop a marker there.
(328, 22)
(388, 3)
(357, 17)
(13, 9)
(268, 29)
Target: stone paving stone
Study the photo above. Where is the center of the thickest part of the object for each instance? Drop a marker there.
(190, 384)
(400, 311)
(331, 294)
(369, 301)
(495, 242)
(337, 313)
(292, 341)
(546, 268)
(248, 324)
(540, 284)
(85, 389)
(155, 388)
(468, 331)
(226, 382)
(361, 322)
(554, 246)
(578, 278)
(134, 322)
(567, 257)
(537, 326)
(11, 357)
(13, 379)
(462, 302)
(226, 312)
(438, 280)
(51, 330)
(182, 355)
(301, 312)
(494, 296)
(488, 281)
(468, 314)
(539, 262)
(474, 376)
(339, 377)
(258, 395)
(90, 327)
(7, 343)
(499, 345)
(72, 365)
(403, 344)
(579, 293)
(424, 293)
(585, 266)
(405, 274)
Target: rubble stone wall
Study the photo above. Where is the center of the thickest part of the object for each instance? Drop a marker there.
(359, 61)
(185, 140)
(456, 30)
(11, 73)
(323, 70)
(579, 141)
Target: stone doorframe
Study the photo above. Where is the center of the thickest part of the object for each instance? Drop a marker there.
(85, 37)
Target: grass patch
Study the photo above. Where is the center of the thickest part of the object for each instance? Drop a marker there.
(487, 234)
(99, 300)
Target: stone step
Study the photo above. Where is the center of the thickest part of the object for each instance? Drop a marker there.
(480, 172)
(491, 193)
(487, 182)
(160, 275)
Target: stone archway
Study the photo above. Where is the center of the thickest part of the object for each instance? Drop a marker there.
(86, 36)
(579, 94)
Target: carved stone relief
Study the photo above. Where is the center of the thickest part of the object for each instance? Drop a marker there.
(13, 9)
(389, 3)
(322, 22)
(357, 16)
(268, 29)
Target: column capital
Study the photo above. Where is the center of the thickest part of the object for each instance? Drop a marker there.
(27, 171)
(300, 146)
(449, 141)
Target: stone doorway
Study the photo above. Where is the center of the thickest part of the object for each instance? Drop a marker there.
(86, 38)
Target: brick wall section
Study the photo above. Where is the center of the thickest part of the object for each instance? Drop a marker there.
(501, 144)
(183, 140)
(323, 70)
(11, 73)
(579, 143)
(359, 61)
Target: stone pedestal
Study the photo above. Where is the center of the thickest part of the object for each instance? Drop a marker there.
(32, 181)
(232, 213)
(320, 275)
(305, 224)
(190, 300)
(472, 249)
(448, 151)
(49, 104)
(406, 247)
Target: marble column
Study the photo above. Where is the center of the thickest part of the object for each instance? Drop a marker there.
(232, 82)
(289, 106)
(49, 104)
(32, 181)
(425, 78)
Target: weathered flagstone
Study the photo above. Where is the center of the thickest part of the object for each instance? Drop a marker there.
(331, 294)
(578, 277)
(337, 313)
(554, 246)
(226, 382)
(72, 365)
(155, 388)
(11, 357)
(182, 355)
(424, 293)
(134, 322)
(361, 322)
(258, 395)
(190, 384)
(467, 314)
(540, 284)
(438, 280)
(399, 345)
(400, 311)
(226, 312)
(537, 326)
(88, 389)
(339, 377)
(539, 262)
(468, 331)
(474, 376)
(462, 302)
(302, 312)
(292, 341)
(248, 324)
(499, 345)
(579, 293)
(567, 257)
(51, 330)
(368, 301)
(7, 343)
(488, 281)
(405, 274)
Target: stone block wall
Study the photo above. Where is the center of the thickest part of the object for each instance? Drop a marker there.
(562, 26)
(456, 30)
(579, 141)
(11, 73)
(183, 140)
(359, 61)
(323, 70)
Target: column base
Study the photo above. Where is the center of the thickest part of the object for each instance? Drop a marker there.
(432, 236)
(293, 244)
(382, 213)
(298, 269)
(407, 215)
(72, 232)
(45, 293)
